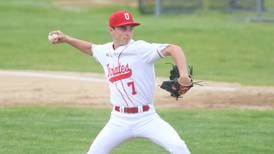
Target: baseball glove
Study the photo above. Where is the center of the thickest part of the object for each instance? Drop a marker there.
(177, 86)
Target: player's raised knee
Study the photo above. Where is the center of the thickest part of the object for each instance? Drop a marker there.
(179, 149)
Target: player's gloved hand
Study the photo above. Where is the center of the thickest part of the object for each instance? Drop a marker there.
(185, 84)
(177, 85)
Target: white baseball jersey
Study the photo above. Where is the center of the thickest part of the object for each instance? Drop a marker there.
(129, 70)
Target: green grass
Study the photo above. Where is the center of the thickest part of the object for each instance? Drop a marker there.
(222, 47)
(66, 130)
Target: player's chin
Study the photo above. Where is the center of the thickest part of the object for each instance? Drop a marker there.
(125, 41)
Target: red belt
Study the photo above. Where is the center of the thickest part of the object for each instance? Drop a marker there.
(131, 109)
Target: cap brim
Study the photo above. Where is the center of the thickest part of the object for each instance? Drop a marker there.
(128, 24)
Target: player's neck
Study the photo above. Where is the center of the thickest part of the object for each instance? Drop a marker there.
(116, 45)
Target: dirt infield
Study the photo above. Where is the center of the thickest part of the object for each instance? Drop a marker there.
(89, 89)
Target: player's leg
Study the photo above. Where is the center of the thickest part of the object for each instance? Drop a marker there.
(113, 134)
(160, 132)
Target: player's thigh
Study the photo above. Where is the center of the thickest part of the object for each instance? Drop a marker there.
(109, 137)
(162, 133)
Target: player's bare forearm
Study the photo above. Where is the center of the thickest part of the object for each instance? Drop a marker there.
(57, 37)
(83, 46)
(178, 57)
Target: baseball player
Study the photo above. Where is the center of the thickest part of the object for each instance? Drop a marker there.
(129, 69)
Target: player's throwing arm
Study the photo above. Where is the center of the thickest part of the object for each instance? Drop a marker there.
(128, 65)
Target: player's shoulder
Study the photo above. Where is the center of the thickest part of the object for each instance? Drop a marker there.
(141, 44)
(101, 46)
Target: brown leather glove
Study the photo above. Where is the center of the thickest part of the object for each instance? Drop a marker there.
(177, 85)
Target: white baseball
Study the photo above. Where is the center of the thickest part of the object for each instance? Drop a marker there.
(53, 37)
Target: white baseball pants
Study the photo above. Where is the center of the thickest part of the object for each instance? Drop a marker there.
(123, 126)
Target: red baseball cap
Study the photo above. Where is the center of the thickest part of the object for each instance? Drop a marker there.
(122, 18)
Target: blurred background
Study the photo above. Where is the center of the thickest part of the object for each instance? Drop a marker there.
(225, 40)
(158, 7)
(228, 41)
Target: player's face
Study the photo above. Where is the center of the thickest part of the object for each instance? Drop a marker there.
(121, 35)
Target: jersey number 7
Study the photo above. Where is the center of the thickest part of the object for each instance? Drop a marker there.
(132, 85)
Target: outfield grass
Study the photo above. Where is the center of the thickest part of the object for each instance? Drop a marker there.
(65, 130)
(221, 47)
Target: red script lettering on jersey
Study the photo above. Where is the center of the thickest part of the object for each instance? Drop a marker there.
(118, 72)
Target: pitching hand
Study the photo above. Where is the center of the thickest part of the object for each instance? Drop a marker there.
(56, 37)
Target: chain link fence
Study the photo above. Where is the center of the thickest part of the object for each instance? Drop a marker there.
(258, 7)
(183, 6)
